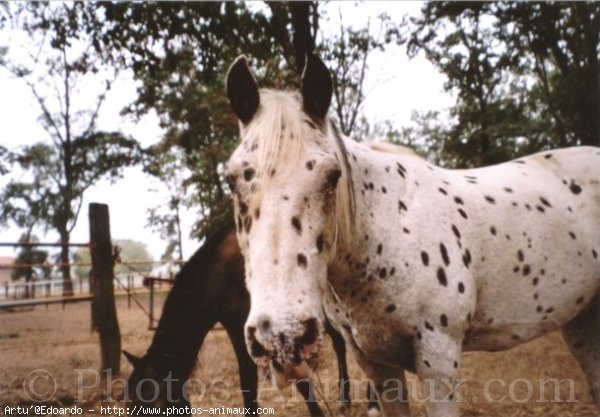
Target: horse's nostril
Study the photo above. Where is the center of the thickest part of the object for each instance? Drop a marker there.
(311, 333)
(257, 350)
(264, 323)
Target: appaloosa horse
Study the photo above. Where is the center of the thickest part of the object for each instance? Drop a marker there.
(413, 263)
(209, 289)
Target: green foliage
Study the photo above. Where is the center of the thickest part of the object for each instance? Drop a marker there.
(182, 80)
(130, 250)
(75, 155)
(179, 53)
(525, 75)
(346, 53)
(82, 257)
(30, 256)
(169, 167)
(43, 198)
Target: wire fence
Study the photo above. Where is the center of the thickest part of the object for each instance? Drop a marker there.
(133, 280)
(35, 291)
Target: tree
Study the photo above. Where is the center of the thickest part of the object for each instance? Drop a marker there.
(347, 53)
(166, 219)
(180, 53)
(76, 155)
(525, 75)
(182, 80)
(29, 263)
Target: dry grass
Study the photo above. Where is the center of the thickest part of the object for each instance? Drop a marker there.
(58, 339)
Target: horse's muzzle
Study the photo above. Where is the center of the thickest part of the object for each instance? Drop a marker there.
(289, 354)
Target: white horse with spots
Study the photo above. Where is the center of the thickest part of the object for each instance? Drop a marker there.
(411, 262)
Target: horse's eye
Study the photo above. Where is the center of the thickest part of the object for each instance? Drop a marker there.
(332, 178)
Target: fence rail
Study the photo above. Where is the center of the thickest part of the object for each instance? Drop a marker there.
(50, 244)
(42, 288)
(8, 305)
(101, 284)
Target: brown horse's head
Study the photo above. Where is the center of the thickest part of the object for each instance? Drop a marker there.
(149, 387)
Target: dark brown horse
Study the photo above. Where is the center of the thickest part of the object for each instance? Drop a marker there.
(209, 289)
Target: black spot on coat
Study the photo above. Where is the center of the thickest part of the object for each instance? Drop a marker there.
(575, 188)
(545, 202)
(456, 231)
(425, 258)
(249, 174)
(297, 224)
(302, 261)
(467, 258)
(444, 254)
(441, 276)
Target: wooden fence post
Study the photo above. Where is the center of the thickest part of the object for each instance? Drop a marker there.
(104, 311)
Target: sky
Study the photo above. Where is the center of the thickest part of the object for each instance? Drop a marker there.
(396, 87)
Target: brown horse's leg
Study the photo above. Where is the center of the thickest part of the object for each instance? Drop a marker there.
(247, 368)
(582, 335)
(305, 387)
(373, 404)
(339, 346)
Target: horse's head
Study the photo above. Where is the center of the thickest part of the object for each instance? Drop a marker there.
(147, 387)
(284, 180)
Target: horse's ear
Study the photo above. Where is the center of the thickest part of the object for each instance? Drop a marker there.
(242, 90)
(316, 88)
(132, 359)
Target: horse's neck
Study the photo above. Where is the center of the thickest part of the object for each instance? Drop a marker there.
(185, 320)
(383, 181)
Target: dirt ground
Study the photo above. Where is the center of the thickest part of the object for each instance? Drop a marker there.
(44, 345)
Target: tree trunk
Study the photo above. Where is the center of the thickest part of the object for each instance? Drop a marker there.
(303, 39)
(65, 268)
(178, 224)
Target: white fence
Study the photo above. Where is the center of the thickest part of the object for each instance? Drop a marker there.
(54, 287)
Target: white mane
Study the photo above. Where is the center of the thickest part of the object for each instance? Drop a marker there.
(279, 134)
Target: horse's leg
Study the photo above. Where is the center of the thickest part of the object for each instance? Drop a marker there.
(339, 346)
(437, 359)
(582, 335)
(247, 368)
(372, 404)
(306, 388)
